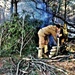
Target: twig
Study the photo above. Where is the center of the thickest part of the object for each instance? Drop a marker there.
(24, 72)
(28, 34)
(18, 67)
(45, 64)
(27, 42)
(60, 56)
(22, 38)
(51, 66)
(21, 46)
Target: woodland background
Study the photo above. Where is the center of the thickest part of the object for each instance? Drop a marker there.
(18, 41)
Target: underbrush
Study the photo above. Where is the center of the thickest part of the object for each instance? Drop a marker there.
(17, 36)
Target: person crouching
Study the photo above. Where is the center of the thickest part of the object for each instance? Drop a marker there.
(53, 31)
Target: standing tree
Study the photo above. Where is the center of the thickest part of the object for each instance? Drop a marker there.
(14, 2)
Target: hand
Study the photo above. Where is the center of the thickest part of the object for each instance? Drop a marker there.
(59, 35)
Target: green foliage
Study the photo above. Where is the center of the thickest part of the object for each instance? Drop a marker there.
(18, 34)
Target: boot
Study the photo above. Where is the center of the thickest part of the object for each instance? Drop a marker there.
(45, 48)
(40, 52)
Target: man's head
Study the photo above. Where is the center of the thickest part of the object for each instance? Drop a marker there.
(58, 25)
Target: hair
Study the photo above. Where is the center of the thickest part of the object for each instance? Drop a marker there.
(58, 25)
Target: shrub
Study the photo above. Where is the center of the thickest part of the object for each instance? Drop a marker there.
(17, 36)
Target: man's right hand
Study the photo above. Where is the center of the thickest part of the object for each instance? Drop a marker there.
(59, 35)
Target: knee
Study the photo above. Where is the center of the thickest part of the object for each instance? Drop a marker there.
(41, 42)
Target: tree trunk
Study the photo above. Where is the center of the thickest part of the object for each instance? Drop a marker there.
(11, 7)
(15, 7)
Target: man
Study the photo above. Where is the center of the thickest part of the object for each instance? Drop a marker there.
(54, 31)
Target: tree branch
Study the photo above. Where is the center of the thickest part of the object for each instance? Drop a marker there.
(70, 24)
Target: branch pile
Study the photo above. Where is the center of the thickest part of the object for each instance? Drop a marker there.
(32, 66)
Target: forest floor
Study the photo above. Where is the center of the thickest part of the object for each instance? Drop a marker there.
(64, 62)
(67, 65)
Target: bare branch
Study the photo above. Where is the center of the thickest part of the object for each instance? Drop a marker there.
(70, 24)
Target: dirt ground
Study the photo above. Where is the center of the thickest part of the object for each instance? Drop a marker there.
(68, 65)
(3, 68)
(64, 62)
